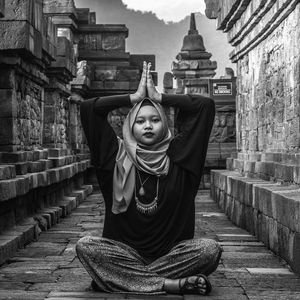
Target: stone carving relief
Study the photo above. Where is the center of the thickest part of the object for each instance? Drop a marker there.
(224, 128)
(29, 118)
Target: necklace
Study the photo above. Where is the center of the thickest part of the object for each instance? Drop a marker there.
(150, 208)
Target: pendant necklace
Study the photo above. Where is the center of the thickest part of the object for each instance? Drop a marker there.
(151, 207)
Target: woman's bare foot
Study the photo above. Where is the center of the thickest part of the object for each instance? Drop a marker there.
(198, 284)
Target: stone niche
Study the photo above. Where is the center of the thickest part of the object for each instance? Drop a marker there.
(260, 188)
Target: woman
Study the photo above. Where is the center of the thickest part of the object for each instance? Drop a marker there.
(149, 181)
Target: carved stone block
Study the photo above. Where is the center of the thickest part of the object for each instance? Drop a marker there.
(7, 129)
(105, 73)
(61, 6)
(136, 60)
(90, 41)
(49, 37)
(24, 10)
(2, 8)
(8, 104)
(83, 15)
(113, 42)
(128, 74)
(212, 8)
(24, 37)
(168, 80)
(193, 73)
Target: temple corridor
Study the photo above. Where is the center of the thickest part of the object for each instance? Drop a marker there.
(49, 269)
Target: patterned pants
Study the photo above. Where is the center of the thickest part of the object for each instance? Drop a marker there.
(116, 267)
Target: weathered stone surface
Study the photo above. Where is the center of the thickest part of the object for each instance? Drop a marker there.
(240, 274)
(63, 6)
(212, 8)
(265, 36)
(275, 205)
(7, 172)
(22, 37)
(22, 295)
(2, 8)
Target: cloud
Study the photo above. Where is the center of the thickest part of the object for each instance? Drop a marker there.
(167, 10)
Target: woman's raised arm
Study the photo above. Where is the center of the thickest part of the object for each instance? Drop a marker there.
(194, 123)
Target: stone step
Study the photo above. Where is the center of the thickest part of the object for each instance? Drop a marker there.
(17, 237)
(62, 160)
(22, 184)
(28, 231)
(267, 209)
(114, 85)
(58, 152)
(23, 156)
(269, 170)
(7, 172)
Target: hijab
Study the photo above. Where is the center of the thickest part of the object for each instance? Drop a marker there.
(151, 159)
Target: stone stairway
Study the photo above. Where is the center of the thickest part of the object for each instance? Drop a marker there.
(49, 269)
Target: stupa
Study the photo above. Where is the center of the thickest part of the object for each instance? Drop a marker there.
(193, 67)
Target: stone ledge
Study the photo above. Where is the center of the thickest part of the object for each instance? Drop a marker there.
(23, 156)
(25, 38)
(17, 237)
(192, 73)
(283, 172)
(7, 172)
(269, 210)
(273, 19)
(237, 13)
(21, 235)
(21, 185)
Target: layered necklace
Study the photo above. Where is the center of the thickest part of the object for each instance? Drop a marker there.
(149, 208)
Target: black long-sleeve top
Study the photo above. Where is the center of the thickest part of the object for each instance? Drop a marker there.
(153, 236)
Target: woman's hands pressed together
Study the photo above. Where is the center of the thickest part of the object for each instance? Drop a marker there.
(146, 85)
(153, 93)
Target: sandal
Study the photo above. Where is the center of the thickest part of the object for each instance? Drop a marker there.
(198, 284)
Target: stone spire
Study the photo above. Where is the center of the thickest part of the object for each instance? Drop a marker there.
(193, 29)
(193, 67)
(193, 41)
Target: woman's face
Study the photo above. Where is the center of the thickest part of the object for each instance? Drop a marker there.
(148, 127)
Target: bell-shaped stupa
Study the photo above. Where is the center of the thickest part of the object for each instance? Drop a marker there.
(193, 41)
(193, 64)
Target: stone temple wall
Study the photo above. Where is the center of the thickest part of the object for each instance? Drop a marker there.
(260, 188)
(268, 96)
(49, 64)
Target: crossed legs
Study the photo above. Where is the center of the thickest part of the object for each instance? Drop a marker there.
(116, 267)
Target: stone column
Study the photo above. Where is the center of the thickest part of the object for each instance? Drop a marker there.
(23, 77)
(57, 95)
(80, 88)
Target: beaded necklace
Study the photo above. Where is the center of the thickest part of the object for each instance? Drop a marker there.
(150, 208)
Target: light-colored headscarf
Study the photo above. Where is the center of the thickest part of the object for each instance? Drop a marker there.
(151, 159)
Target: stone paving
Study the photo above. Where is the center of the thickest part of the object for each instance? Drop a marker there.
(49, 269)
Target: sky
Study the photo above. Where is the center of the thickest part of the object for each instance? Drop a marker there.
(167, 10)
(159, 26)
